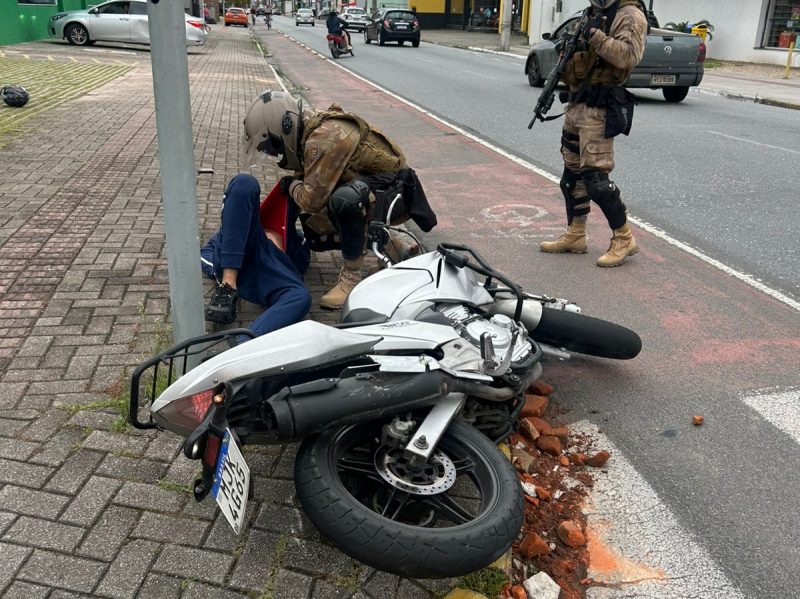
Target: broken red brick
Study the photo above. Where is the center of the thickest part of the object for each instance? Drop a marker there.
(535, 405)
(542, 493)
(541, 388)
(518, 592)
(529, 428)
(570, 534)
(599, 459)
(533, 545)
(579, 459)
(515, 439)
(549, 444)
(564, 460)
(522, 460)
(696, 420)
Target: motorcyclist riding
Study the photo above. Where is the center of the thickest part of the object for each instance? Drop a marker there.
(336, 26)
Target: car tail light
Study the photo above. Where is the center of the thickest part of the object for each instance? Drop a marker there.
(188, 412)
(386, 24)
(197, 24)
(415, 24)
(701, 52)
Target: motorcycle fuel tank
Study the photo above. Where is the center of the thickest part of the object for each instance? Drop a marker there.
(424, 279)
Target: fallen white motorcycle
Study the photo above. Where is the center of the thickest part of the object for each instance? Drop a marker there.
(399, 408)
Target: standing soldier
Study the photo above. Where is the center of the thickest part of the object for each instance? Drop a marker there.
(599, 109)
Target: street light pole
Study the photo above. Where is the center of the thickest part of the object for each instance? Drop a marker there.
(176, 157)
(505, 34)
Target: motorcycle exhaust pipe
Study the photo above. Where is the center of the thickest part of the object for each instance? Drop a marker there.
(296, 412)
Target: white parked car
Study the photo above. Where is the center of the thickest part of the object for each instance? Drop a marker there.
(118, 21)
(304, 15)
(356, 17)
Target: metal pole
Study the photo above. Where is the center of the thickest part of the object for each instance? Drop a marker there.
(505, 33)
(176, 156)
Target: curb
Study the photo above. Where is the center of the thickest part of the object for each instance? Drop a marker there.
(476, 49)
(745, 98)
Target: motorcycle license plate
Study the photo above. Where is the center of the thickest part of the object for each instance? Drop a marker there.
(662, 79)
(231, 482)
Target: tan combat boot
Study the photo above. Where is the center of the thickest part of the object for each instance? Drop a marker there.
(622, 245)
(349, 277)
(573, 241)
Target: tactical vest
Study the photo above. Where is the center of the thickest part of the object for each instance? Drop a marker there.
(604, 73)
(375, 152)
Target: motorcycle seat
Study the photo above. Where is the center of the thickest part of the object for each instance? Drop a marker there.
(361, 316)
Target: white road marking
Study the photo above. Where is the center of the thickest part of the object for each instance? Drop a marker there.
(661, 234)
(636, 546)
(479, 74)
(781, 409)
(755, 143)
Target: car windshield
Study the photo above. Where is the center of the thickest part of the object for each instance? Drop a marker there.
(356, 11)
(399, 15)
(235, 11)
(304, 12)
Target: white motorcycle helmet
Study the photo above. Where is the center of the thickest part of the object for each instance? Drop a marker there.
(274, 127)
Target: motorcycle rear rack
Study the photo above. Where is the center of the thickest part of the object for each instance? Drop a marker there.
(152, 377)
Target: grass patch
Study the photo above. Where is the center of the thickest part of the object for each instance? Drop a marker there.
(173, 486)
(710, 63)
(349, 581)
(488, 581)
(277, 561)
(112, 402)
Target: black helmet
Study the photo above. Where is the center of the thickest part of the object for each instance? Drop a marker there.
(15, 95)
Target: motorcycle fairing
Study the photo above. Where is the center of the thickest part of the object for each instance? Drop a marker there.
(411, 335)
(302, 345)
(419, 280)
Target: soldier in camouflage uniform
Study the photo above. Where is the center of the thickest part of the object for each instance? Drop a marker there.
(599, 108)
(330, 152)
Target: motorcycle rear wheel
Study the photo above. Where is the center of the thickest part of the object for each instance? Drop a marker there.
(462, 528)
(586, 335)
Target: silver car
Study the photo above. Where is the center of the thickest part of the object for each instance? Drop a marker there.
(304, 15)
(356, 18)
(118, 21)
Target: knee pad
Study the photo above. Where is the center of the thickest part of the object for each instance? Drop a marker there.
(567, 184)
(605, 194)
(350, 200)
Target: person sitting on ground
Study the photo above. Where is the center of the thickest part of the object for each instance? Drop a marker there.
(262, 266)
(337, 26)
(346, 172)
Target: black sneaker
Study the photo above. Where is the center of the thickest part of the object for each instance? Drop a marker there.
(222, 306)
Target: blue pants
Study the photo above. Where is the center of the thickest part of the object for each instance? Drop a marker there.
(266, 275)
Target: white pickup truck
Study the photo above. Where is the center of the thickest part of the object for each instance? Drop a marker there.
(672, 61)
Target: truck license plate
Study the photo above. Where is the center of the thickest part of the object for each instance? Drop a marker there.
(231, 482)
(662, 80)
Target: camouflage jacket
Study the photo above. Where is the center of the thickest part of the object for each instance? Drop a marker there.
(620, 50)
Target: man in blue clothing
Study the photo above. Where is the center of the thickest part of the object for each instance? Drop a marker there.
(336, 26)
(263, 267)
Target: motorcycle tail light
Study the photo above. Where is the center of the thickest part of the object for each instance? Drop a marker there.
(701, 53)
(213, 443)
(197, 24)
(387, 24)
(188, 412)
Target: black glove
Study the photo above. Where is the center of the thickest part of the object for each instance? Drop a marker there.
(285, 182)
(596, 22)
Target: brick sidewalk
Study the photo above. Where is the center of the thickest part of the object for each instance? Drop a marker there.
(88, 506)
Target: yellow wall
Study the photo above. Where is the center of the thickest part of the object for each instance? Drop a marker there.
(429, 6)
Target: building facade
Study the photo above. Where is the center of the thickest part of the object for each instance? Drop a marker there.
(744, 30)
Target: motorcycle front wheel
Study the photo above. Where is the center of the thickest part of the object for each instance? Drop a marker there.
(586, 335)
(453, 516)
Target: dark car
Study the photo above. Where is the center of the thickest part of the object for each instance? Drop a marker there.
(393, 25)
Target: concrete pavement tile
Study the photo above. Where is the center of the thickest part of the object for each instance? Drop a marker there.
(132, 469)
(277, 490)
(158, 527)
(383, 584)
(409, 590)
(11, 558)
(9, 427)
(58, 448)
(254, 564)
(46, 426)
(150, 497)
(57, 357)
(198, 590)
(325, 590)
(104, 421)
(164, 447)
(184, 471)
(316, 558)
(285, 466)
(30, 502)
(6, 518)
(22, 473)
(91, 500)
(280, 518)
(222, 536)
(16, 449)
(20, 414)
(109, 533)
(209, 566)
(36, 345)
(292, 585)
(74, 472)
(128, 570)
(25, 590)
(115, 442)
(44, 534)
(63, 571)
(158, 586)
(206, 509)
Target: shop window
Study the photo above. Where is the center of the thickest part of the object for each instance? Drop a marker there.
(782, 25)
(45, 2)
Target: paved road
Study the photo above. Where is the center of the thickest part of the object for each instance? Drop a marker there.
(715, 173)
(711, 511)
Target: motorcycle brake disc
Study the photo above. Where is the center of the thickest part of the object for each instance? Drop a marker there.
(435, 477)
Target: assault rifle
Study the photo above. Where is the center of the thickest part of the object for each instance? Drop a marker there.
(566, 46)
